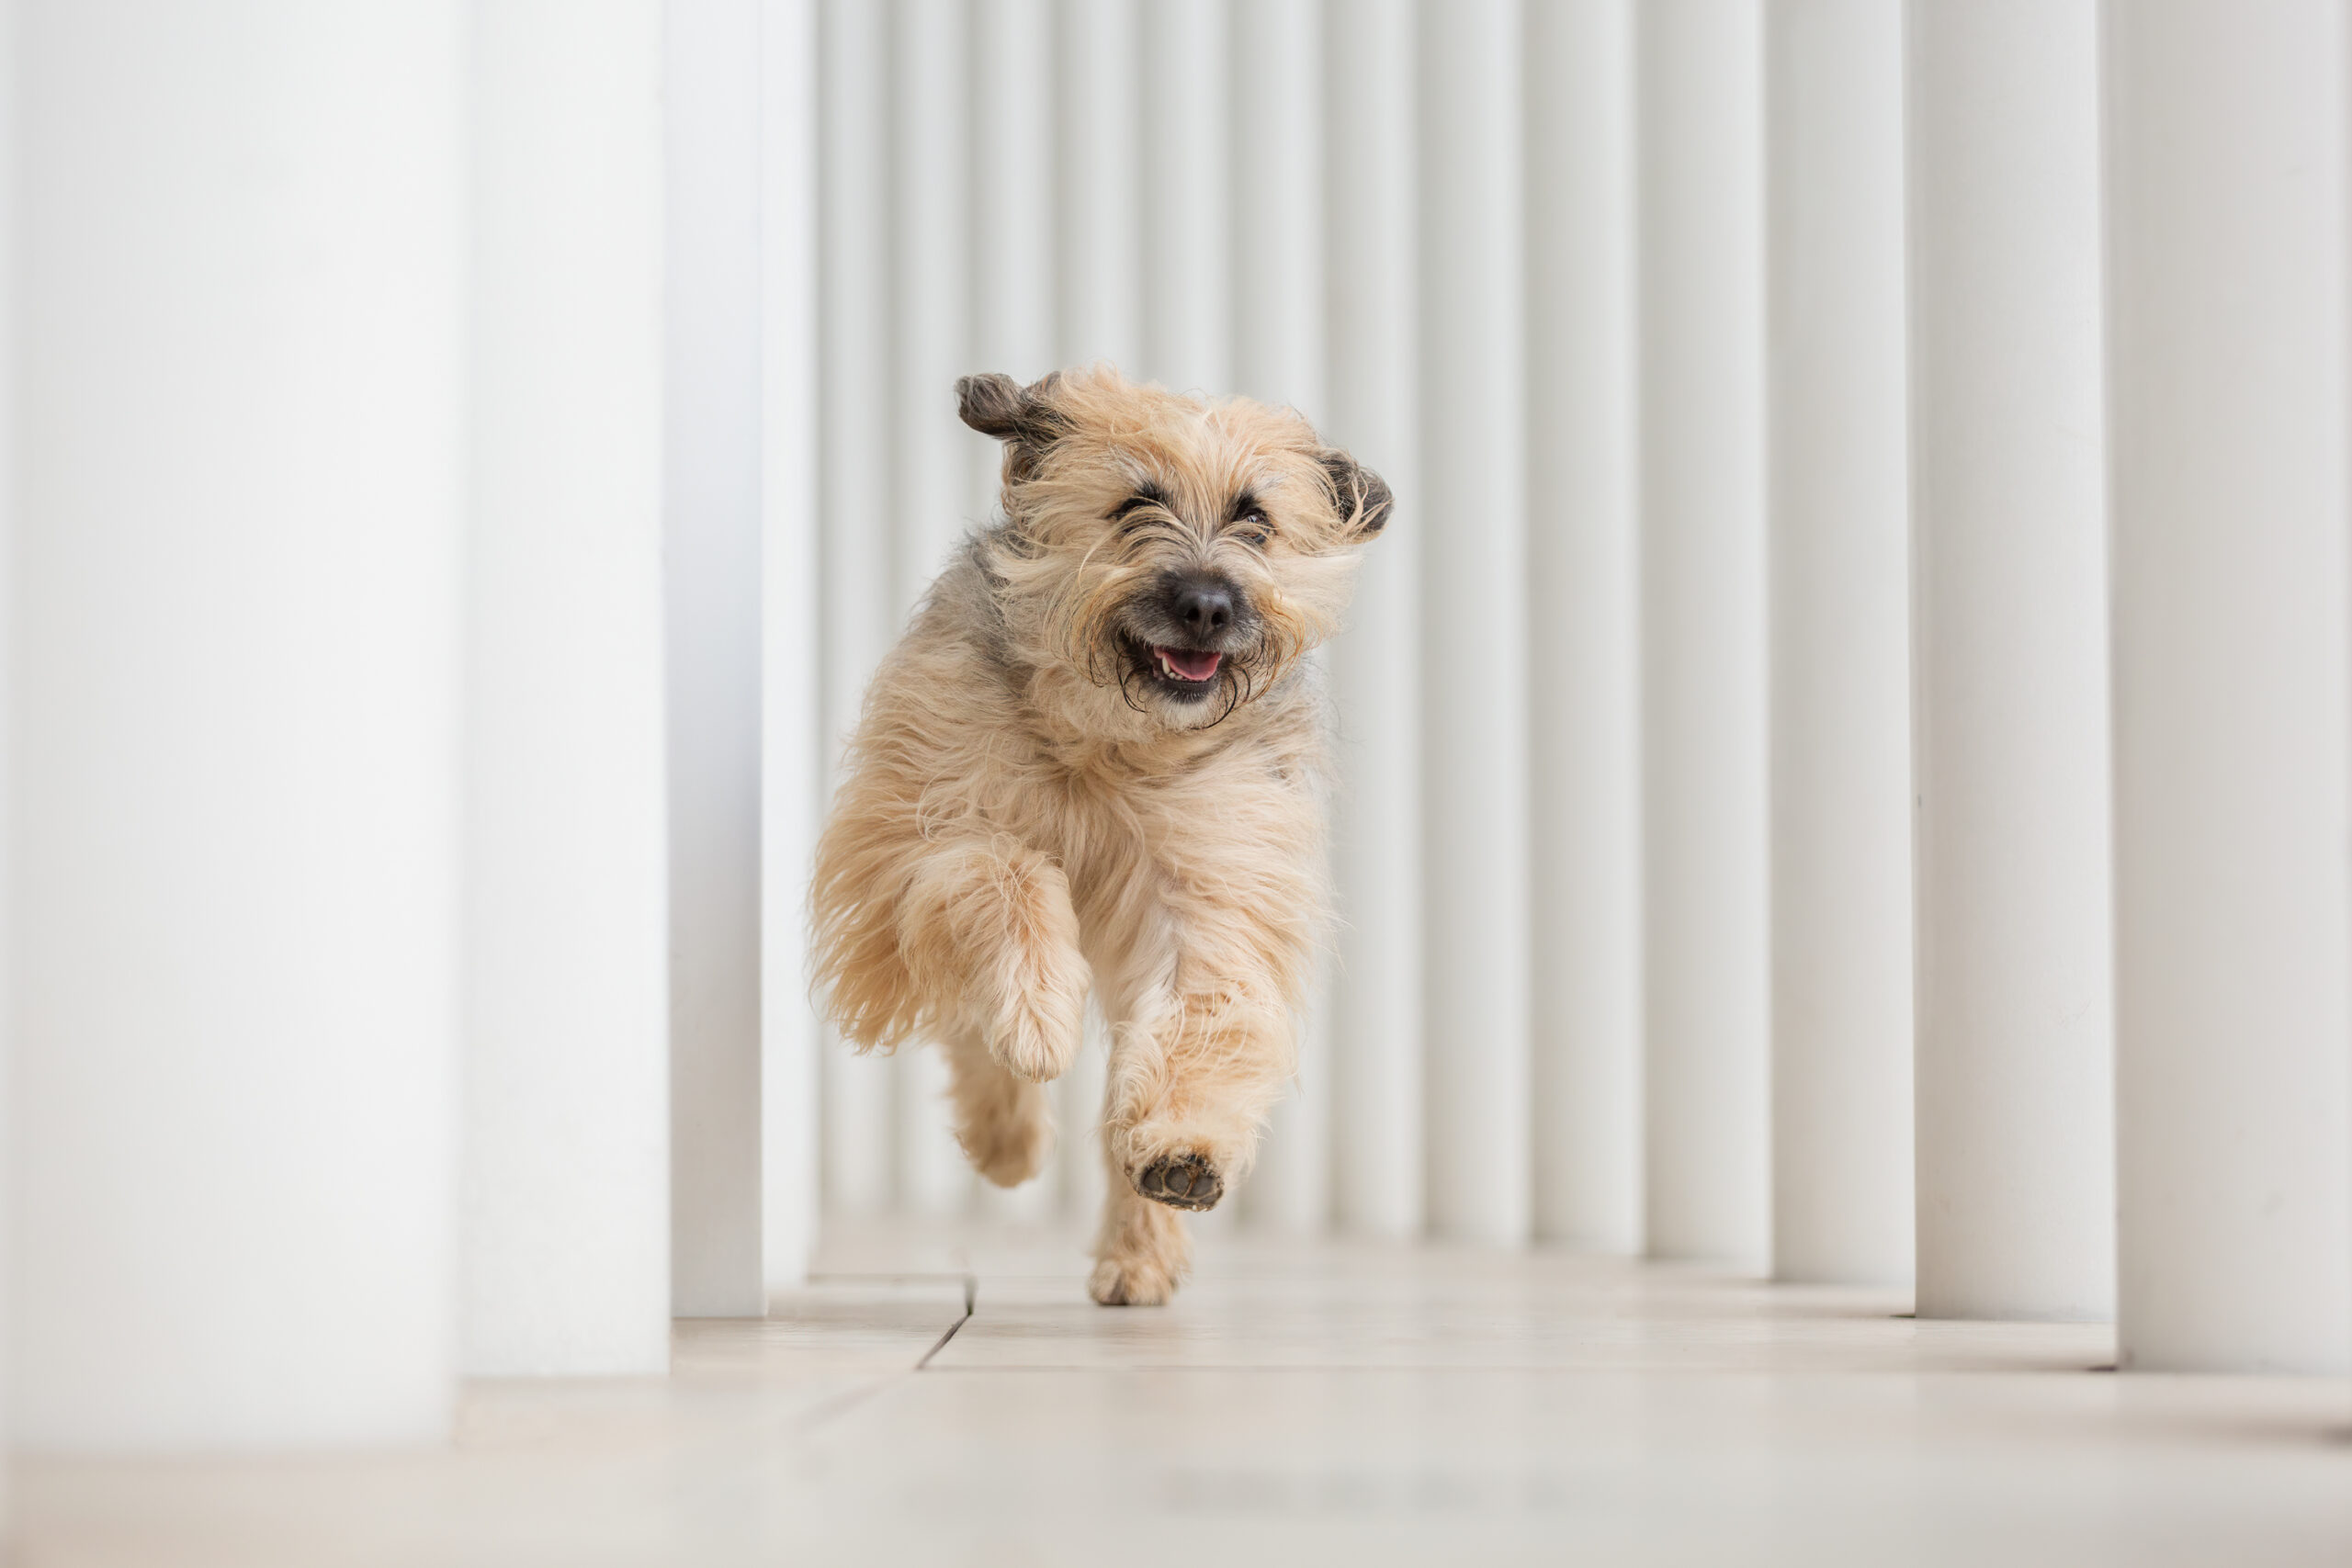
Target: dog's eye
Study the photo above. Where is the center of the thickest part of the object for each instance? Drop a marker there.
(1251, 528)
(1136, 510)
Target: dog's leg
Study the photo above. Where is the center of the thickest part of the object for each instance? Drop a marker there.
(1142, 1253)
(988, 929)
(1004, 1121)
(1193, 1074)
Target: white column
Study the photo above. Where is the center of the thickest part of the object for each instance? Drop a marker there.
(712, 77)
(9, 100)
(2227, 131)
(1277, 268)
(1476, 650)
(1583, 583)
(1707, 1160)
(1370, 278)
(934, 453)
(1098, 129)
(1185, 221)
(2009, 715)
(1013, 319)
(791, 643)
(858, 610)
(1840, 643)
(1098, 316)
(235, 624)
(567, 1146)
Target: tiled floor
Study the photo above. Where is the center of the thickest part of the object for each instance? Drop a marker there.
(1298, 1405)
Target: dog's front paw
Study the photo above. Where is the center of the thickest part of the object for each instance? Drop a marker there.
(1131, 1282)
(1037, 1030)
(1180, 1181)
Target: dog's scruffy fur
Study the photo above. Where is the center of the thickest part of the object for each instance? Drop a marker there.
(1096, 762)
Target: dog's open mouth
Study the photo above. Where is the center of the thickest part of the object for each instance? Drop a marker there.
(1183, 674)
(1193, 666)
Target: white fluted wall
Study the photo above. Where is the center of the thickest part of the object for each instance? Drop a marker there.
(1699, 80)
(713, 376)
(2015, 1064)
(792, 757)
(857, 607)
(1584, 587)
(1378, 1168)
(567, 1133)
(1473, 561)
(2226, 137)
(1841, 787)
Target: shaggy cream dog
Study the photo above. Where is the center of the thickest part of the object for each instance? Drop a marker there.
(1096, 761)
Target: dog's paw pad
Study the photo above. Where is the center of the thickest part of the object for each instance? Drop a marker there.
(1129, 1282)
(1181, 1181)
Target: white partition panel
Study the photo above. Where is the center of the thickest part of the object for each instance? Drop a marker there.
(1707, 1159)
(1840, 651)
(235, 791)
(712, 76)
(934, 453)
(1583, 576)
(1276, 68)
(1475, 652)
(566, 1192)
(1369, 251)
(8, 101)
(1098, 160)
(1013, 312)
(2009, 673)
(791, 645)
(1182, 204)
(858, 610)
(1098, 127)
(2226, 130)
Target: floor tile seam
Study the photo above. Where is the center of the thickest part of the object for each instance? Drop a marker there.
(971, 1300)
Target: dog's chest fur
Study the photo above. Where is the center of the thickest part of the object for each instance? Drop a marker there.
(1217, 824)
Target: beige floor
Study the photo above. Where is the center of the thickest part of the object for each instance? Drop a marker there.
(1299, 1404)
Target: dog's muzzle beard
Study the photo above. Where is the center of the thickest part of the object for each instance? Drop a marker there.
(1187, 643)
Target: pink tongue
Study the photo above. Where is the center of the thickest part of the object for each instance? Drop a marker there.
(1191, 666)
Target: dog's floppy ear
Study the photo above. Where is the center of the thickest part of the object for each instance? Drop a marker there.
(1362, 496)
(1024, 418)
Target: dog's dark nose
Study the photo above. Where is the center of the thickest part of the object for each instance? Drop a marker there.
(1204, 605)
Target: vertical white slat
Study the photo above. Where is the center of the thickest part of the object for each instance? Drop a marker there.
(1275, 61)
(9, 100)
(1371, 273)
(2014, 1061)
(566, 1194)
(1012, 173)
(1098, 162)
(791, 640)
(235, 678)
(1706, 1156)
(2232, 575)
(712, 101)
(858, 610)
(1098, 127)
(1840, 643)
(1183, 210)
(1474, 652)
(934, 453)
(1584, 589)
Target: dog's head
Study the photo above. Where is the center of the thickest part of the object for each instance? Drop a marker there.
(1176, 555)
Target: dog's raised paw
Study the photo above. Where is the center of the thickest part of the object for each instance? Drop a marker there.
(1181, 1181)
